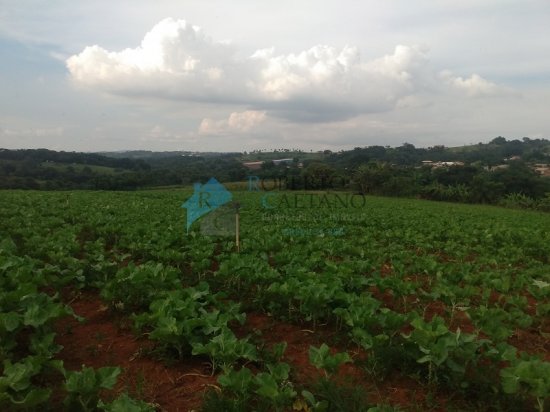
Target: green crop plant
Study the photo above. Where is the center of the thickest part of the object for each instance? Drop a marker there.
(134, 287)
(225, 349)
(528, 377)
(17, 390)
(322, 359)
(495, 322)
(83, 387)
(445, 353)
(242, 390)
(124, 403)
(191, 321)
(486, 267)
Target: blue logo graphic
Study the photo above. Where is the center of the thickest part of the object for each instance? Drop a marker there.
(205, 199)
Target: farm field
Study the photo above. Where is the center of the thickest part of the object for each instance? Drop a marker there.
(107, 303)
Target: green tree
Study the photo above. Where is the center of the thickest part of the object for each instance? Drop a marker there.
(370, 177)
(318, 175)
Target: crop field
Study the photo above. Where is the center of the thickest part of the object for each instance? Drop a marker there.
(328, 304)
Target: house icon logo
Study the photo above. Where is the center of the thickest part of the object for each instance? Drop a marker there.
(205, 199)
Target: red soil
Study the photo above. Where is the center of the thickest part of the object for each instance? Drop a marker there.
(396, 389)
(105, 340)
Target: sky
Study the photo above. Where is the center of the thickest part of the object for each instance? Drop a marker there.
(242, 75)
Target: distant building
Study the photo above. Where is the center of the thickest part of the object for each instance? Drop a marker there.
(258, 165)
(437, 165)
(279, 161)
(499, 167)
(253, 165)
(513, 158)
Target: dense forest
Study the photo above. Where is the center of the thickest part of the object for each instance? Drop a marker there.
(501, 171)
(50, 170)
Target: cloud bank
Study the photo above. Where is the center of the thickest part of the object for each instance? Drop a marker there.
(177, 61)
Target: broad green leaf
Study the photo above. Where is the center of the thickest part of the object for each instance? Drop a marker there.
(83, 381)
(31, 399)
(9, 321)
(107, 376)
(267, 386)
(237, 381)
(124, 403)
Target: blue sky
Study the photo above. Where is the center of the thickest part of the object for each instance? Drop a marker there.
(243, 75)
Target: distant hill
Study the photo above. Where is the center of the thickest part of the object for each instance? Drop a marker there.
(122, 170)
(49, 169)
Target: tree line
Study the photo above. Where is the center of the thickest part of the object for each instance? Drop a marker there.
(496, 172)
(51, 170)
(499, 172)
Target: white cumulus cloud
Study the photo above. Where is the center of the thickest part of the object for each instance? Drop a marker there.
(237, 122)
(177, 61)
(174, 60)
(474, 86)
